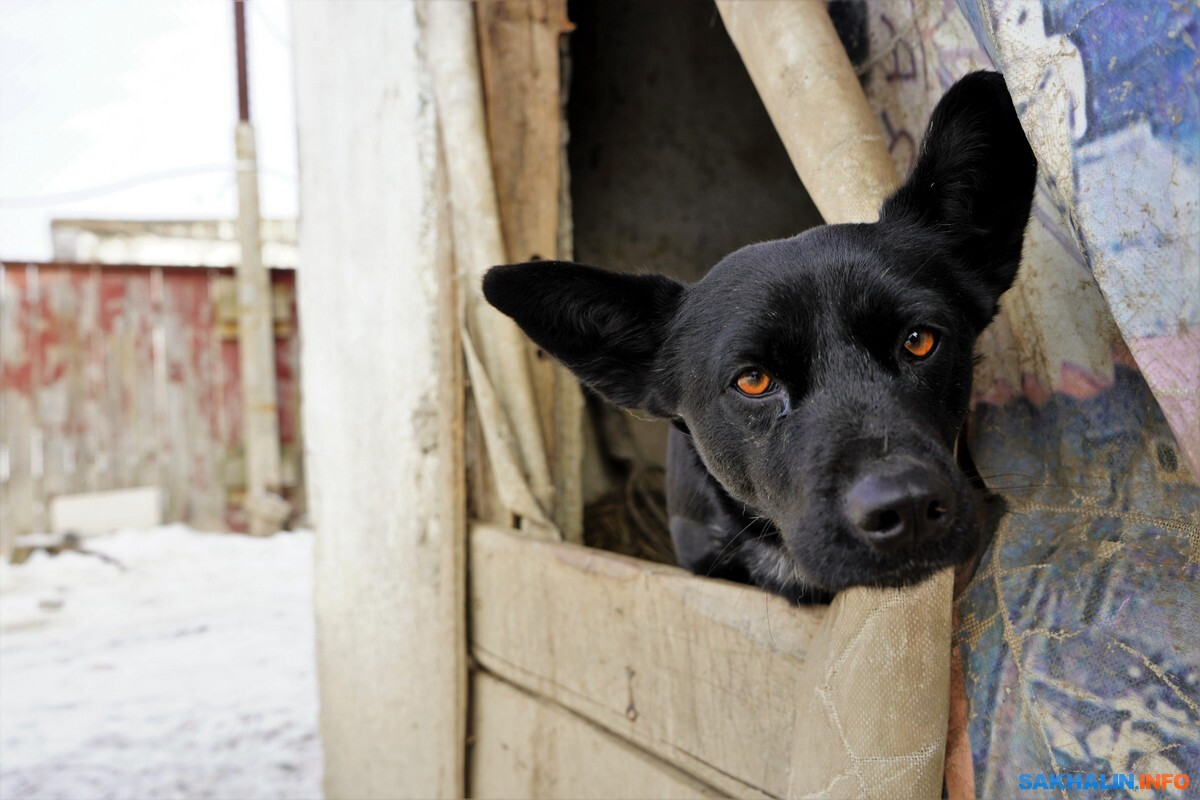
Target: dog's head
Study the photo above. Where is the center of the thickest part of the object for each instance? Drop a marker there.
(823, 378)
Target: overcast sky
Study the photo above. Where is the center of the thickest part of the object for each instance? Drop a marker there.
(126, 108)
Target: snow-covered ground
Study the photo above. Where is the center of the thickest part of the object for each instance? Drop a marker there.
(189, 674)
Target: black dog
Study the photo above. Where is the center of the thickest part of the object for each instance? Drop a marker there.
(818, 383)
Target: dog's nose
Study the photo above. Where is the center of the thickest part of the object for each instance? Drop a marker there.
(898, 504)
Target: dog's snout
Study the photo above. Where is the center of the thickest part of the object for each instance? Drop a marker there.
(897, 504)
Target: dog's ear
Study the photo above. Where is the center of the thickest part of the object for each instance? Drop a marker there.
(973, 185)
(607, 328)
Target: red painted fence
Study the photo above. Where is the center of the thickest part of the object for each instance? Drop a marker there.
(121, 376)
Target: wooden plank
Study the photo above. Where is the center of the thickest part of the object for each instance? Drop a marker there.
(208, 498)
(120, 300)
(730, 684)
(519, 62)
(40, 339)
(91, 410)
(287, 384)
(705, 674)
(521, 77)
(60, 378)
(382, 446)
(528, 747)
(136, 458)
(194, 468)
(451, 640)
(229, 431)
(20, 515)
(16, 412)
(133, 453)
(149, 465)
(27, 450)
(510, 418)
(11, 363)
(809, 88)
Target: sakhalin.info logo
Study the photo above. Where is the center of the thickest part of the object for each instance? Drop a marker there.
(1092, 780)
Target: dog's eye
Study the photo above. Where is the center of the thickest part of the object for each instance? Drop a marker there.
(754, 383)
(920, 342)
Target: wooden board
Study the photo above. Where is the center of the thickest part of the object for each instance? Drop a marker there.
(528, 747)
(706, 675)
(521, 78)
(809, 88)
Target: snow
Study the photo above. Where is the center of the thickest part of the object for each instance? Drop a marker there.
(189, 674)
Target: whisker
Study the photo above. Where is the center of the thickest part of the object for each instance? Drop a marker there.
(717, 560)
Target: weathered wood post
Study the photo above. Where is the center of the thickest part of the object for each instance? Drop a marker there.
(256, 335)
(383, 403)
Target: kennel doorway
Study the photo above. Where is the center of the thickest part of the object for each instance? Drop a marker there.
(468, 644)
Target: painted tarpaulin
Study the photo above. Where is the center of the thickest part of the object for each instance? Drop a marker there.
(1080, 629)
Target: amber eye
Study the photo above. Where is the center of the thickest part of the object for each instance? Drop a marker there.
(920, 342)
(754, 383)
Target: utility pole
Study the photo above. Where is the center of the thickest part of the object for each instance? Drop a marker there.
(256, 331)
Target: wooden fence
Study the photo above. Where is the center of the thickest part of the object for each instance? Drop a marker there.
(115, 376)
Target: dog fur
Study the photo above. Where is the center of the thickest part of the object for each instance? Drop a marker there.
(843, 473)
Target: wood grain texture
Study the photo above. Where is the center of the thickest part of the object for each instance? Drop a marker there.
(528, 747)
(809, 88)
(729, 684)
(704, 674)
(522, 84)
(479, 240)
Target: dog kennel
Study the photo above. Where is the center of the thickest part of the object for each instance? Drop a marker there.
(468, 644)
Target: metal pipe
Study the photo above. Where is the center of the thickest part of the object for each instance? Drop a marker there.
(239, 29)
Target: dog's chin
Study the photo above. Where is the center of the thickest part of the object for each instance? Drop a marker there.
(908, 574)
(773, 568)
(818, 576)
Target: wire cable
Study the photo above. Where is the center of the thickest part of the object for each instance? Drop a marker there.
(56, 198)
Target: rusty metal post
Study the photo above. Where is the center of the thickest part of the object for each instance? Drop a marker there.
(256, 337)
